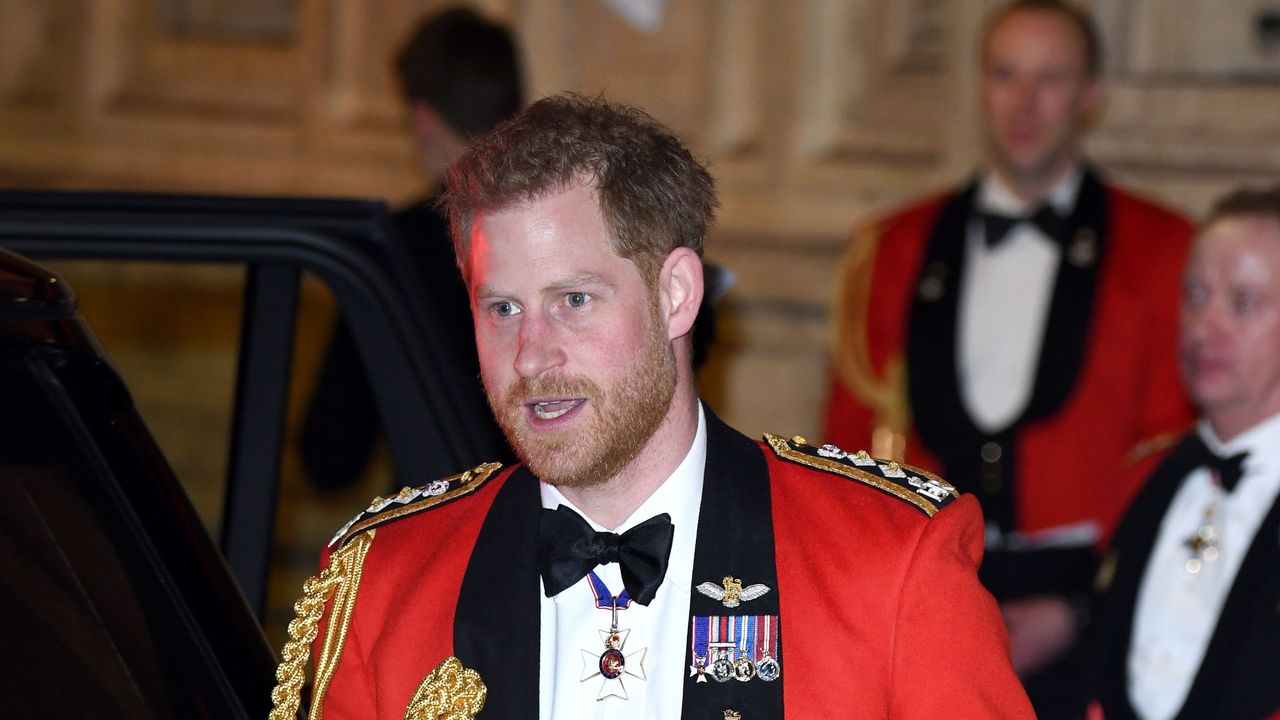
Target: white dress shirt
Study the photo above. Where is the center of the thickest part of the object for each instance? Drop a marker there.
(1177, 610)
(571, 622)
(1005, 295)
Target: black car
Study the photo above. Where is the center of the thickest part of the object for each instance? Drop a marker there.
(116, 604)
(116, 601)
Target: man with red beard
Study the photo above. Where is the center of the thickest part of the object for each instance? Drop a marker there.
(1007, 331)
(1189, 626)
(644, 560)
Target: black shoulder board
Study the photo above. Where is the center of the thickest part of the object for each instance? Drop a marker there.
(414, 500)
(926, 491)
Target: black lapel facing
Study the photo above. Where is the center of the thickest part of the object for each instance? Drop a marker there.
(975, 461)
(933, 381)
(735, 543)
(496, 628)
(1066, 331)
(1130, 551)
(932, 344)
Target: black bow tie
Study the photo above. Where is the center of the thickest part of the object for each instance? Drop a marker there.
(568, 549)
(995, 227)
(1227, 469)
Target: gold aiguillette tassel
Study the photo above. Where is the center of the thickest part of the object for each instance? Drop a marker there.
(450, 692)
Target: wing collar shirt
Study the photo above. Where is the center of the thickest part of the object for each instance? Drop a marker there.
(571, 622)
(1177, 610)
(1004, 302)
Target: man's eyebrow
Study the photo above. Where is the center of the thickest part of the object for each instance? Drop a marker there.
(586, 278)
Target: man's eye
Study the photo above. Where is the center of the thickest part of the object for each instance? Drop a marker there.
(999, 74)
(575, 299)
(1245, 302)
(1193, 296)
(504, 309)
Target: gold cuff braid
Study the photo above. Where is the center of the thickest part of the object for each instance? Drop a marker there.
(341, 577)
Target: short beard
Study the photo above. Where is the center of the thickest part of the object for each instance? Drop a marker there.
(626, 416)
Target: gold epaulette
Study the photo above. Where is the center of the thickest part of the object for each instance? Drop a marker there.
(414, 500)
(926, 491)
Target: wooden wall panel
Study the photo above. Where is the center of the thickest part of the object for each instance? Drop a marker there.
(1194, 93)
(813, 114)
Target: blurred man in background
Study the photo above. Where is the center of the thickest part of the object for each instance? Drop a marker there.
(1017, 334)
(1189, 626)
(460, 76)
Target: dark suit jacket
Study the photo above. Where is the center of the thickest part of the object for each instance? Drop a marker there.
(1237, 678)
(881, 613)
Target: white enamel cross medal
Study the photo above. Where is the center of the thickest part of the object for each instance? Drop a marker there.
(613, 663)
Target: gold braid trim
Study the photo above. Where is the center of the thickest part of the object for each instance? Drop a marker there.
(450, 692)
(886, 395)
(343, 575)
(462, 484)
(785, 450)
(1151, 446)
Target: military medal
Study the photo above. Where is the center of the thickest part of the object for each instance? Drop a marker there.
(1204, 543)
(613, 663)
(747, 630)
(722, 668)
(698, 665)
(767, 667)
(712, 646)
(734, 647)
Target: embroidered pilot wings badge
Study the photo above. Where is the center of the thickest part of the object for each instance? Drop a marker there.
(732, 593)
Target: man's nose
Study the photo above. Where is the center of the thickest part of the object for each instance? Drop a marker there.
(540, 348)
(1024, 96)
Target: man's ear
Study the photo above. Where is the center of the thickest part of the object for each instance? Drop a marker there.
(680, 290)
(1091, 102)
(427, 121)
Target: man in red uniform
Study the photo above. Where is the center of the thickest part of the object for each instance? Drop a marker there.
(1017, 334)
(644, 560)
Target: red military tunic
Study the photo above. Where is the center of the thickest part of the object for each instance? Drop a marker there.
(1120, 383)
(881, 614)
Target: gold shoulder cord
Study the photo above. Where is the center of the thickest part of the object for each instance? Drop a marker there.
(343, 576)
(885, 395)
